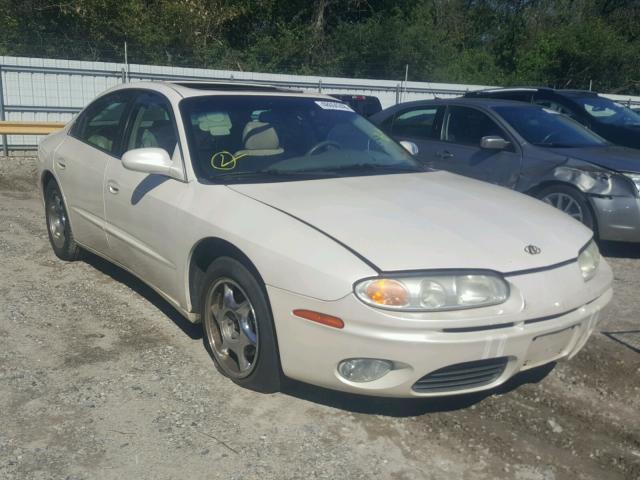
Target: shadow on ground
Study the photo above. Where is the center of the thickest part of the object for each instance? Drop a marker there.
(194, 331)
(620, 249)
(409, 407)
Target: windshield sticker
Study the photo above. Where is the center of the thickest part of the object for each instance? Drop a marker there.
(548, 110)
(225, 160)
(327, 105)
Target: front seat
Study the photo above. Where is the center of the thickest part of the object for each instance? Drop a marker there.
(260, 140)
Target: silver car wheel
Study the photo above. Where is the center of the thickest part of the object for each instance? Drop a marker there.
(232, 330)
(566, 203)
(57, 220)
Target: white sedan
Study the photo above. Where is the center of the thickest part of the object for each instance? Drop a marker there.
(311, 246)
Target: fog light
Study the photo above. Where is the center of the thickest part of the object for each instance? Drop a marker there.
(364, 369)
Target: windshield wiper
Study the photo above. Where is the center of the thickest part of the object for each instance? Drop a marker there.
(367, 167)
(267, 173)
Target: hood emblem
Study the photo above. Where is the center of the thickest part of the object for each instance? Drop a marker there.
(532, 249)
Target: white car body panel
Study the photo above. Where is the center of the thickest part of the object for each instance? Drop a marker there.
(430, 220)
(310, 241)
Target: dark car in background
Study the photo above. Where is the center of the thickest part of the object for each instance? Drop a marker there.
(609, 119)
(365, 105)
(528, 148)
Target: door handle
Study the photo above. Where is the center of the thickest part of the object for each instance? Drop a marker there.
(443, 154)
(113, 187)
(61, 163)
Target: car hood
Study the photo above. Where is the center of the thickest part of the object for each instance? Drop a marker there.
(616, 158)
(428, 220)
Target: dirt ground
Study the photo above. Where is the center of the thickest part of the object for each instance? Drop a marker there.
(101, 379)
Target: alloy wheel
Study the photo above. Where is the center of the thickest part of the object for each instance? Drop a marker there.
(57, 219)
(232, 330)
(566, 203)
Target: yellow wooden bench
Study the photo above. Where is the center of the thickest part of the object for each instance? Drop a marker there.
(29, 128)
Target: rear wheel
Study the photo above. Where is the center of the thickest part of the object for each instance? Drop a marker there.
(238, 327)
(570, 201)
(58, 226)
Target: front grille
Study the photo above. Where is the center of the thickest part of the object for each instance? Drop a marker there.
(462, 376)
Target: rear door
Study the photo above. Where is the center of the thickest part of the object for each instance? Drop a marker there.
(460, 151)
(80, 163)
(142, 210)
(420, 125)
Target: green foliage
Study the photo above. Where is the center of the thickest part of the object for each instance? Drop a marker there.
(563, 43)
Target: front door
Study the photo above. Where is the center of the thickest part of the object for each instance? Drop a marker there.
(142, 220)
(460, 150)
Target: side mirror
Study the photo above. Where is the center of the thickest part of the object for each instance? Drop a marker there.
(494, 143)
(410, 147)
(155, 161)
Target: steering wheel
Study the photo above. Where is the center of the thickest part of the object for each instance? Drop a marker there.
(321, 145)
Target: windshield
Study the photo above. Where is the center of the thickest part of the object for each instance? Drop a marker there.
(274, 137)
(608, 111)
(548, 128)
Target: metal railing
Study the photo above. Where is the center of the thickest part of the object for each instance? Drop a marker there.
(13, 85)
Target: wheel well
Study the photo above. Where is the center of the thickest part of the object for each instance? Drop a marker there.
(204, 253)
(47, 177)
(538, 188)
(551, 183)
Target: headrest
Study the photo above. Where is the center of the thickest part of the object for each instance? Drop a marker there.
(260, 136)
(216, 123)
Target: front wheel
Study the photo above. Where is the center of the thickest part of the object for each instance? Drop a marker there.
(570, 201)
(238, 326)
(58, 226)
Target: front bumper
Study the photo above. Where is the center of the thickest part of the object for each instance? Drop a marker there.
(549, 316)
(618, 218)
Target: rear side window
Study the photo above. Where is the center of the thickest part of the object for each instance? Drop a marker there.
(417, 123)
(101, 123)
(467, 126)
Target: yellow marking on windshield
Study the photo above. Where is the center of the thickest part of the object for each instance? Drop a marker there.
(225, 160)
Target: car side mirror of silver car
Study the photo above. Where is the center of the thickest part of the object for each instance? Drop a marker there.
(494, 142)
(151, 160)
(410, 147)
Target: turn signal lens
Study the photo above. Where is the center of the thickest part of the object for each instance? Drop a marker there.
(387, 292)
(318, 317)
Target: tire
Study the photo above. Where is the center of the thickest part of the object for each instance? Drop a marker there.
(238, 328)
(58, 226)
(570, 201)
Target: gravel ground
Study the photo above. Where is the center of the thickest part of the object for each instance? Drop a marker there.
(100, 378)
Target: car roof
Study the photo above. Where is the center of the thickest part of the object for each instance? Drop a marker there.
(187, 89)
(560, 91)
(466, 101)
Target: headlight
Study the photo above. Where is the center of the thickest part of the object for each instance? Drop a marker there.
(588, 260)
(635, 178)
(431, 292)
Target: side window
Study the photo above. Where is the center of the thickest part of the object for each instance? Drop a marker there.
(152, 124)
(100, 125)
(467, 126)
(555, 106)
(417, 123)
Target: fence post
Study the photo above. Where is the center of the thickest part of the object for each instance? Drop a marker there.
(320, 86)
(397, 93)
(5, 147)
